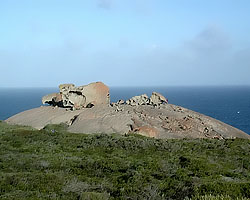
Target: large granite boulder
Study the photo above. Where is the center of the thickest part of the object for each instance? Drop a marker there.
(80, 97)
(96, 94)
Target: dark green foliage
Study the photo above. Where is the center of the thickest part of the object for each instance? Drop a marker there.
(54, 164)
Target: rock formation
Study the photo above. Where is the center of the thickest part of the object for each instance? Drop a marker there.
(80, 97)
(138, 100)
(91, 112)
(54, 99)
(157, 99)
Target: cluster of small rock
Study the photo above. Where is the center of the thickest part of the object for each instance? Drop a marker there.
(80, 97)
(156, 99)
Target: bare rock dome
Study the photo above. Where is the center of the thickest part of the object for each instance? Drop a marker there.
(91, 112)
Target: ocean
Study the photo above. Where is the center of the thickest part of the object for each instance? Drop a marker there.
(228, 104)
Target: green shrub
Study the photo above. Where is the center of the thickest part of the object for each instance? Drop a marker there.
(54, 164)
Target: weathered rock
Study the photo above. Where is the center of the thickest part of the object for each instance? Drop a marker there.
(119, 102)
(53, 99)
(138, 115)
(71, 96)
(96, 94)
(138, 100)
(157, 99)
(40, 117)
(77, 98)
(169, 121)
(64, 88)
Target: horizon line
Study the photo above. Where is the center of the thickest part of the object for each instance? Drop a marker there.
(133, 86)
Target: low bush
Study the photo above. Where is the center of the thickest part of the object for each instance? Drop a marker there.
(54, 164)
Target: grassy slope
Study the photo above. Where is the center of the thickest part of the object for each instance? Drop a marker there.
(54, 164)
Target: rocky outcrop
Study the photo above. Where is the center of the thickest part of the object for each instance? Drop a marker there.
(80, 97)
(165, 121)
(94, 94)
(53, 99)
(138, 100)
(156, 99)
(153, 117)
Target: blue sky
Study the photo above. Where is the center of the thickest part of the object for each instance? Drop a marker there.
(124, 42)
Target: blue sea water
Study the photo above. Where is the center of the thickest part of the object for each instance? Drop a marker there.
(228, 104)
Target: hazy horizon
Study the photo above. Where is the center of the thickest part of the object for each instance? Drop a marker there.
(140, 43)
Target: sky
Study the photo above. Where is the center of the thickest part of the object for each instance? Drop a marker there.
(44, 43)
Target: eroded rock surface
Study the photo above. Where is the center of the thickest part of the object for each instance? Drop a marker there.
(157, 99)
(138, 100)
(152, 117)
(54, 99)
(80, 97)
(165, 121)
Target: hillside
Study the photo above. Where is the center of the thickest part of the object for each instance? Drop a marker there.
(54, 164)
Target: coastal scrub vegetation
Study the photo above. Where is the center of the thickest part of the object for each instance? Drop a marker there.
(54, 164)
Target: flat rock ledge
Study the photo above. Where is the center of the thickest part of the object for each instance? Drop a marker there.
(149, 116)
